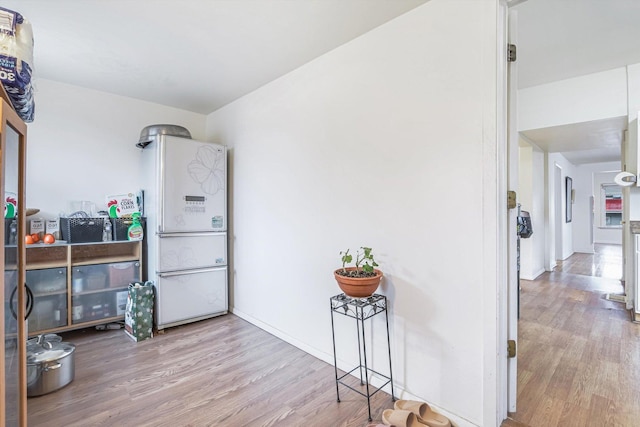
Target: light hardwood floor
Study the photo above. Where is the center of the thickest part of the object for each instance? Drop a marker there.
(579, 354)
(219, 372)
(606, 262)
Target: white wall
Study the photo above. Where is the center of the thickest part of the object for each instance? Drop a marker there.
(581, 99)
(566, 227)
(81, 145)
(531, 197)
(356, 148)
(589, 177)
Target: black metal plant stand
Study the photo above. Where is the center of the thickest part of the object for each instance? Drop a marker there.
(361, 309)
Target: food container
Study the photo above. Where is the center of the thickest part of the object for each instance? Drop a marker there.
(50, 364)
(36, 226)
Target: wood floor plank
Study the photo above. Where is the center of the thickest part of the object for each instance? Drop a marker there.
(604, 410)
(559, 385)
(509, 422)
(547, 412)
(584, 385)
(573, 416)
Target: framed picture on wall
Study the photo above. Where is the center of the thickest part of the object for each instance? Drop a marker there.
(568, 198)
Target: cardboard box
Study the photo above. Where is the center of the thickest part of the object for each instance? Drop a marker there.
(52, 226)
(36, 226)
(123, 273)
(122, 205)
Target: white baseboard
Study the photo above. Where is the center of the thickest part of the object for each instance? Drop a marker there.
(585, 250)
(565, 257)
(534, 276)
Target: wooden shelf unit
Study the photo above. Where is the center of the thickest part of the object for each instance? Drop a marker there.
(80, 285)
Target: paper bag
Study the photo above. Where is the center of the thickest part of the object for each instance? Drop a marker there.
(138, 316)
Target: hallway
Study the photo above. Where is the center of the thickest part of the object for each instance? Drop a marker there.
(605, 262)
(576, 348)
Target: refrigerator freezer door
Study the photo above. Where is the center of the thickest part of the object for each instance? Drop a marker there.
(187, 296)
(193, 186)
(185, 251)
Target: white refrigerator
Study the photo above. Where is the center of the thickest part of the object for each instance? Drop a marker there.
(185, 205)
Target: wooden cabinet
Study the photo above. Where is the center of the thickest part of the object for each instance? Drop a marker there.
(79, 285)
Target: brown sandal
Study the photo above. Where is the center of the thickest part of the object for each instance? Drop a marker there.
(399, 418)
(423, 412)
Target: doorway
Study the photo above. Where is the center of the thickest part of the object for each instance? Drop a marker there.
(570, 289)
(567, 314)
(559, 219)
(576, 346)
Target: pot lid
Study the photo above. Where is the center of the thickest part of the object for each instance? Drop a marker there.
(149, 132)
(48, 351)
(45, 337)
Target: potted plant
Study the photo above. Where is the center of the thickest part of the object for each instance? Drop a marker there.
(361, 280)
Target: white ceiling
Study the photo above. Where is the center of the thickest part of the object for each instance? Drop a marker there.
(199, 55)
(582, 142)
(560, 39)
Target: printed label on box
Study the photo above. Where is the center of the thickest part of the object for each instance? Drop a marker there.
(36, 226)
(121, 205)
(52, 226)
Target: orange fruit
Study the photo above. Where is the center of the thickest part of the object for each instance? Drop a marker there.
(28, 239)
(35, 237)
(49, 238)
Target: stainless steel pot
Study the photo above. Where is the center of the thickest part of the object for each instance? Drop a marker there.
(50, 364)
(150, 132)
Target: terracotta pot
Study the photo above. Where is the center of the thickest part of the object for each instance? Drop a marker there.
(358, 287)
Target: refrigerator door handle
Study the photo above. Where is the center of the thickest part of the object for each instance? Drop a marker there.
(194, 271)
(193, 234)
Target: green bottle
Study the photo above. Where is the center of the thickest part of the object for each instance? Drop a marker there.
(135, 231)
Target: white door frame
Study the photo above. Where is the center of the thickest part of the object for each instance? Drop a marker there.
(512, 233)
(628, 242)
(507, 157)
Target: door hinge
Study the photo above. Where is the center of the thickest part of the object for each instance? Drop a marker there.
(511, 348)
(511, 199)
(511, 53)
